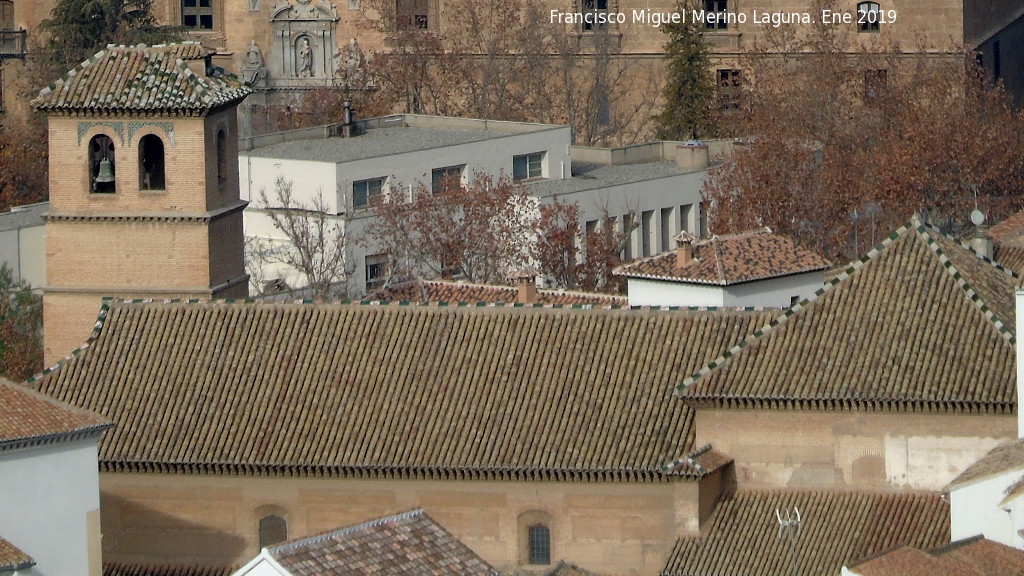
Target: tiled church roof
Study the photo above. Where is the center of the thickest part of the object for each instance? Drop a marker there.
(440, 291)
(744, 537)
(410, 544)
(27, 416)
(141, 78)
(1003, 458)
(13, 559)
(730, 259)
(919, 323)
(398, 391)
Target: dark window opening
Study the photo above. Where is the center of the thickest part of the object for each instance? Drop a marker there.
(376, 272)
(366, 192)
(996, 71)
(729, 85)
(151, 163)
(222, 160)
(412, 14)
(6, 15)
(101, 164)
(273, 530)
(595, 15)
(874, 83)
(868, 17)
(528, 166)
(443, 179)
(716, 14)
(197, 14)
(540, 544)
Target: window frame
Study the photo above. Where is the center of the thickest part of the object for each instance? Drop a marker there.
(437, 175)
(378, 264)
(7, 15)
(158, 180)
(370, 193)
(97, 151)
(729, 82)
(864, 26)
(534, 165)
(198, 11)
(264, 526)
(875, 82)
(417, 18)
(716, 7)
(538, 544)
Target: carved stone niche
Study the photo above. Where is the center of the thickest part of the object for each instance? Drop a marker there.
(304, 43)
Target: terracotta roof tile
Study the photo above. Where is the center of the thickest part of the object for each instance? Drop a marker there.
(27, 416)
(1011, 255)
(731, 259)
(1008, 229)
(743, 537)
(440, 291)
(920, 323)
(410, 544)
(13, 559)
(984, 557)
(1003, 458)
(395, 390)
(141, 78)
(127, 569)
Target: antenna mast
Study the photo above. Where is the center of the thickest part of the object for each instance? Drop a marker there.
(789, 529)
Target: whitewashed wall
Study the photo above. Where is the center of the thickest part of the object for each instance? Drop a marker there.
(975, 509)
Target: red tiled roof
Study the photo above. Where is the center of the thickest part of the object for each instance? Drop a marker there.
(440, 291)
(13, 559)
(1008, 229)
(730, 259)
(141, 78)
(972, 557)
(396, 390)
(904, 329)
(744, 538)
(27, 416)
(409, 544)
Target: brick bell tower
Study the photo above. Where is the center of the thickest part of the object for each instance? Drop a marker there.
(144, 196)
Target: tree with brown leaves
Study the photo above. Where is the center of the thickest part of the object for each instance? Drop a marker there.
(21, 328)
(842, 148)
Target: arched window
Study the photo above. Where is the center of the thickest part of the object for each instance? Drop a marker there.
(868, 17)
(540, 544)
(151, 163)
(273, 530)
(101, 164)
(222, 160)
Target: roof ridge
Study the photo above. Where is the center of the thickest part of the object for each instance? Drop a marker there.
(925, 230)
(97, 328)
(792, 310)
(317, 538)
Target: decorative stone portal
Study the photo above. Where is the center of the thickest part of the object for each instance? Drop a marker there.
(303, 50)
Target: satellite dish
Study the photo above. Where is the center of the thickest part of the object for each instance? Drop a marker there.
(977, 217)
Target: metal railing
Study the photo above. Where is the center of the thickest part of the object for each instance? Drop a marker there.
(13, 43)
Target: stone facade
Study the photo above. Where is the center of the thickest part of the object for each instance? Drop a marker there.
(611, 528)
(876, 450)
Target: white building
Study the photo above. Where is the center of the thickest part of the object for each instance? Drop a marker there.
(651, 189)
(23, 242)
(49, 485)
(756, 268)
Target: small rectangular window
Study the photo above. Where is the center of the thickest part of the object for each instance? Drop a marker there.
(449, 176)
(729, 85)
(595, 15)
(376, 272)
(365, 192)
(528, 166)
(412, 14)
(715, 14)
(197, 14)
(874, 83)
(868, 17)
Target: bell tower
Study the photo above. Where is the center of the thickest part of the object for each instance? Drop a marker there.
(144, 198)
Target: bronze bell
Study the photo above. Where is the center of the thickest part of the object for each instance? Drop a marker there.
(106, 172)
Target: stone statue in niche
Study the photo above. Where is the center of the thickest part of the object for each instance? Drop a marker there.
(305, 54)
(253, 70)
(353, 70)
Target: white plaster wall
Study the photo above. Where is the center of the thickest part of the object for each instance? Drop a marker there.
(643, 292)
(774, 292)
(45, 494)
(260, 566)
(24, 251)
(307, 178)
(975, 509)
(1019, 300)
(932, 462)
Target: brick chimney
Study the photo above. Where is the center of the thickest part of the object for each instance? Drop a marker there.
(684, 249)
(526, 285)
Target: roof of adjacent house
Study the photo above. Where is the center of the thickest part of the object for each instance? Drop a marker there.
(452, 292)
(743, 537)
(1008, 237)
(28, 417)
(141, 78)
(402, 545)
(395, 390)
(27, 216)
(972, 557)
(730, 259)
(11, 558)
(128, 569)
(1004, 458)
(920, 323)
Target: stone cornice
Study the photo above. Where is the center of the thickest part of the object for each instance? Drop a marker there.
(157, 216)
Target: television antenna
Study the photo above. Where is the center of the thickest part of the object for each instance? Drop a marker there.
(790, 523)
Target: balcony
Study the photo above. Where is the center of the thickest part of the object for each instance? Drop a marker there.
(12, 43)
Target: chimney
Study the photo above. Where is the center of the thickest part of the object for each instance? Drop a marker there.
(526, 285)
(692, 155)
(982, 242)
(684, 249)
(198, 66)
